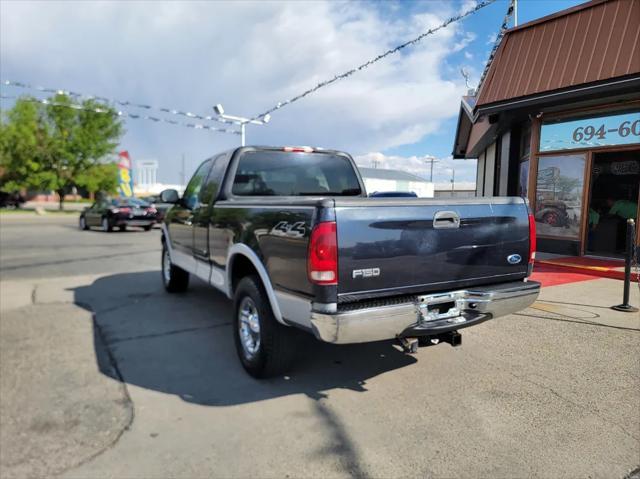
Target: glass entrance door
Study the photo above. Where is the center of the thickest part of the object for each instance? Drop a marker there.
(613, 199)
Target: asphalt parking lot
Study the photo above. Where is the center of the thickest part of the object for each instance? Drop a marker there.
(105, 375)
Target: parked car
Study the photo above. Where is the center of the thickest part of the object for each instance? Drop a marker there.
(120, 213)
(160, 207)
(11, 200)
(393, 194)
(291, 237)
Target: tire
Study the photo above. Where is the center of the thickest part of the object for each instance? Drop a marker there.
(552, 219)
(123, 228)
(255, 325)
(175, 279)
(107, 227)
(82, 224)
(147, 228)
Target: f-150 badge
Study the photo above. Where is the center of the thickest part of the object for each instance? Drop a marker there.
(366, 273)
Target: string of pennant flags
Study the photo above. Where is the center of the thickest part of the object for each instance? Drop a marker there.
(496, 44)
(129, 104)
(348, 73)
(125, 114)
(110, 101)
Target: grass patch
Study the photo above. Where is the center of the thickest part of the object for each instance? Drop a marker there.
(30, 211)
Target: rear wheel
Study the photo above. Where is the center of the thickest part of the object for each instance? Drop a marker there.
(175, 279)
(265, 347)
(106, 225)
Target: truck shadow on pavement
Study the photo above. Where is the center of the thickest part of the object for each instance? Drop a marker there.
(183, 345)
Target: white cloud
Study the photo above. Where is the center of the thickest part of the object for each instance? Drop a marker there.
(248, 56)
(468, 55)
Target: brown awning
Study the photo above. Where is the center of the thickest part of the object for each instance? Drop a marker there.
(592, 42)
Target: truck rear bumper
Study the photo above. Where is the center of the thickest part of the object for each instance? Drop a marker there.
(417, 318)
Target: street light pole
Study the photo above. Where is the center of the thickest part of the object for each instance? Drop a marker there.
(241, 121)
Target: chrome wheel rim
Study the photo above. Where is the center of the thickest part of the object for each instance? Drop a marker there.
(81, 223)
(249, 327)
(105, 224)
(166, 267)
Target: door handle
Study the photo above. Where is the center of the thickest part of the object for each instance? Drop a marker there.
(446, 220)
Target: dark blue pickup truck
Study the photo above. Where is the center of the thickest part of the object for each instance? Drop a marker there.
(291, 237)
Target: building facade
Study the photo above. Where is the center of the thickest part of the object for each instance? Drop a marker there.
(384, 180)
(557, 120)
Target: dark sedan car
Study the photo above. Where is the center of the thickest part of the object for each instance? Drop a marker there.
(120, 213)
(161, 207)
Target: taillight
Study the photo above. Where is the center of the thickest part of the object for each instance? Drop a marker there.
(532, 239)
(322, 261)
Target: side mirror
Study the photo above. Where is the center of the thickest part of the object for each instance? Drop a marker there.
(169, 196)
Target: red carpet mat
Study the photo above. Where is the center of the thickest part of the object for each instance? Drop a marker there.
(603, 268)
(551, 275)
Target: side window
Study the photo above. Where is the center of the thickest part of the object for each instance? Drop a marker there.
(212, 185)
(190, 197)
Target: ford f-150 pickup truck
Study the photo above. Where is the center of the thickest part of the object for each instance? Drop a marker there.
(291, 237)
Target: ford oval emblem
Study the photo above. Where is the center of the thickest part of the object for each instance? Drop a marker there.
(514, 258)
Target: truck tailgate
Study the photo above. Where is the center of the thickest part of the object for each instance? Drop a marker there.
(394, 246)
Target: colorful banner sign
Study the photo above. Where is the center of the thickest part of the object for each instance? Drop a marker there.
(125, 175)
(621, 129)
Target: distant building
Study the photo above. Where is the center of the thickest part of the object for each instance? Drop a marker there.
(146, 172)
(378, 180)
(557, 120)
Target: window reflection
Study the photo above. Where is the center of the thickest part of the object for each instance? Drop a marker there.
(559, 187)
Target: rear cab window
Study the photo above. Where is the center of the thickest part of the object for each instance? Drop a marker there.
(282, 173)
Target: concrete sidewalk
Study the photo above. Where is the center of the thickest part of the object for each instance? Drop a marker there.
(551, 391)
(56, 409)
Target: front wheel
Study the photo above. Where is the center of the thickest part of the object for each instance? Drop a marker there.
(265, 347)
(175, 280)
(83, 224)
(106, 225)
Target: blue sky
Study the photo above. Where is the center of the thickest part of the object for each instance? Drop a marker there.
(250, 55)
(484, 25)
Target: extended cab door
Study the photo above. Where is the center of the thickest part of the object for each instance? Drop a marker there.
(182, 214)
(202, 212)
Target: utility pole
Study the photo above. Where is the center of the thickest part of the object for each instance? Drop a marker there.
(515, 13)
(431, 160)
(241, 121)
(453, 181)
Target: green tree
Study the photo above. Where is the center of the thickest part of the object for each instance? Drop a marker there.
(102, 177)
(57, 146)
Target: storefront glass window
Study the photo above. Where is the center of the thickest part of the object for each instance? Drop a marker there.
(559, 190)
